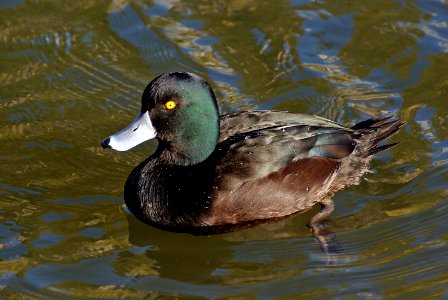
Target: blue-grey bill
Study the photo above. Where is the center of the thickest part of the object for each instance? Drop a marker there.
(137, 132)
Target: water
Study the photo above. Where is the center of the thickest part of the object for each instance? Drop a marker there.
(72, 73)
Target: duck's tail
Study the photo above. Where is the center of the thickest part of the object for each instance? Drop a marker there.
(377, 131)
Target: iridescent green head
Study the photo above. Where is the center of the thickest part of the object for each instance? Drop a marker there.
(180, 110)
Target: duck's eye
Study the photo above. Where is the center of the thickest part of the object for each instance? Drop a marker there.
(170, 104)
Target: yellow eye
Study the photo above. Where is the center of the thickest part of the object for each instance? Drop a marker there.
(170, 104)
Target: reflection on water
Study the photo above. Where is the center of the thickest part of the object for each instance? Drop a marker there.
(73, 72)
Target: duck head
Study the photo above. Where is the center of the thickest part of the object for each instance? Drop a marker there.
(180, 111)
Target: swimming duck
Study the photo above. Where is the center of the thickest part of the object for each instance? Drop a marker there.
(213, 174)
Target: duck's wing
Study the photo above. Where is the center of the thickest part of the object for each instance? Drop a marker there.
(270, 146)
(277, 170)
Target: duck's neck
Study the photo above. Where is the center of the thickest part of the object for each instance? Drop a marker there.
(194, 145)
(196, 138)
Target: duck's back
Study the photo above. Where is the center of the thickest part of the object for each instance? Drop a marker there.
(249, 121)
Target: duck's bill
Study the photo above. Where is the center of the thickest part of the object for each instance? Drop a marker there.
(137, 132)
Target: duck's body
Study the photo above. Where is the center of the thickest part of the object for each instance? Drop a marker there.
(239, 169)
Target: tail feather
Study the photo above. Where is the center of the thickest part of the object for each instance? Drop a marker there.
(386, 130)
(374, 150)
(371, 123)
(378, 130)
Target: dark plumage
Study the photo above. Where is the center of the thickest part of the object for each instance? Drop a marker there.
(214, 174)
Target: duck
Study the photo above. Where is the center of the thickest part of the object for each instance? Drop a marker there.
(213, 173)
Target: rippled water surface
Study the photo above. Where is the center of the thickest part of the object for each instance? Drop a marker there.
(71, 73)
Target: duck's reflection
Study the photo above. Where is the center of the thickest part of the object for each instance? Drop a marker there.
(180, 256)
(244, 256)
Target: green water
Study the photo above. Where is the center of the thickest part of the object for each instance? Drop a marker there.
(71, 73)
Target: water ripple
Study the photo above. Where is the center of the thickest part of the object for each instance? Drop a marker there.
(73, 74)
